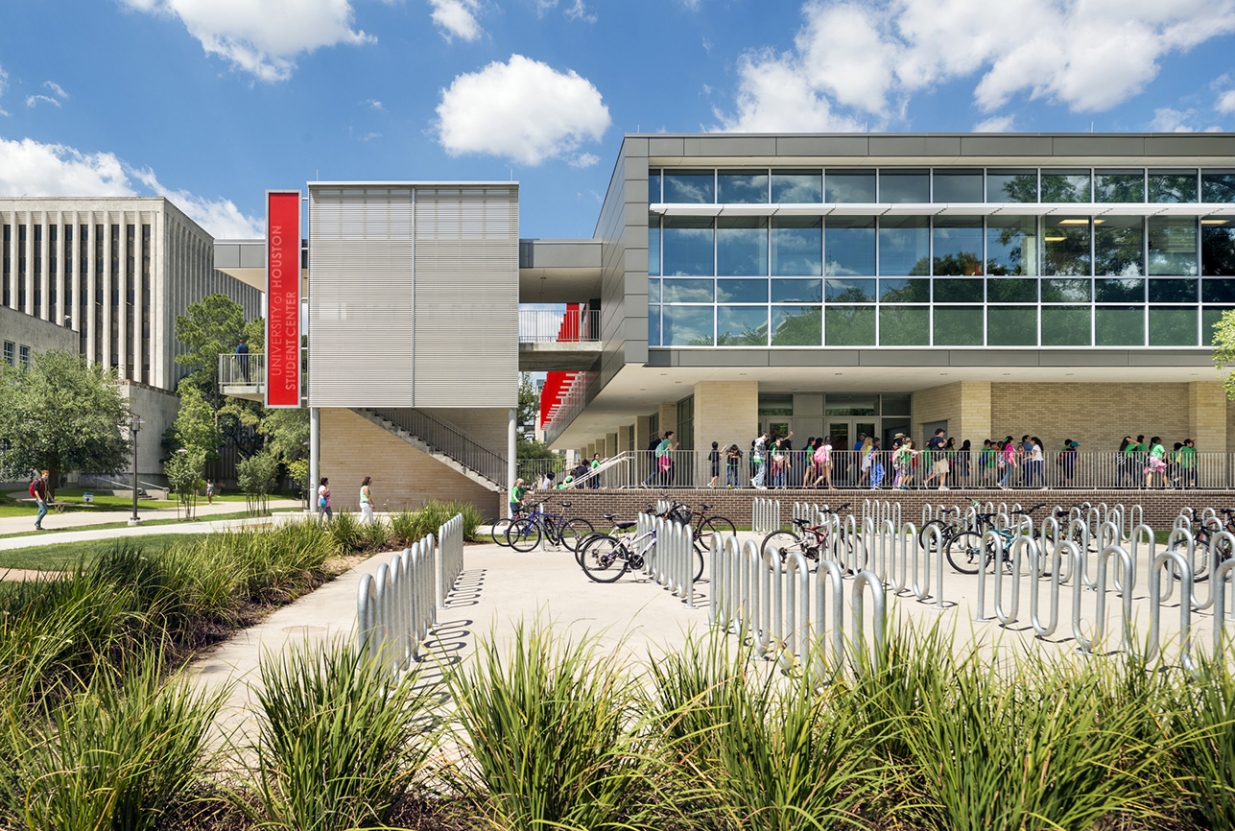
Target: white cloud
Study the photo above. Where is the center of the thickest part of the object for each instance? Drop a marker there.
(35, 100)
(871, 57)
(30, 168)
(584, 160)
(457, 18)
(522, 110)
(262, 37)
(543, 6)
(4, 85)
(1167, 120)
(578, 11)
(374, 104)
(56, 88)
(1226, 102)
(995, 124)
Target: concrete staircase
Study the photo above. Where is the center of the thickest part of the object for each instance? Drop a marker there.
(444, 442)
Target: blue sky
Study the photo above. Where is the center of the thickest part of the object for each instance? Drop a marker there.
(211, 102)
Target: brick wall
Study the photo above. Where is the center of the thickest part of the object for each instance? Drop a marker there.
(403, 477)
(1160, 507)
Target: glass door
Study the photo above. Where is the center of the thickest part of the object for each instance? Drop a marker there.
(846, 467)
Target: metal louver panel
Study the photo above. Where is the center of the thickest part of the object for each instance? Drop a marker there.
(362, 297)
(467, 296)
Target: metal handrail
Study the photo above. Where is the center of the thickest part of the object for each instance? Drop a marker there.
(547, 326)
(243, 370)
(449, 440)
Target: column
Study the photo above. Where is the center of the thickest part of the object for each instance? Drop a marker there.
(1207, 416)
(611, 446)
(512, 445)
(726, 412)
(315, 455)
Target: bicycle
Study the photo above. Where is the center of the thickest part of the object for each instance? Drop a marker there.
(811, 547)
(1203, 543)
(500, 528)
(526, 533)
(962, 549)
(606, 557)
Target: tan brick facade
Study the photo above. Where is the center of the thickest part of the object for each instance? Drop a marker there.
(965, 405)
(403, 477)
(726, 412)
(1207, 414)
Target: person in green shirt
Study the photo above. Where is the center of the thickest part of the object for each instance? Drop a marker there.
(594, 480)
(1127, 461)
(1187, 463)
(517, 491)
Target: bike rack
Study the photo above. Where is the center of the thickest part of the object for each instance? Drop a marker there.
(1182, 566)
(397, 607)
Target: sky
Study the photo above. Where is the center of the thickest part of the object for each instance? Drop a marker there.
(212, 102)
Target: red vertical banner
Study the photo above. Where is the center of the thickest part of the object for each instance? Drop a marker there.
(283, 298)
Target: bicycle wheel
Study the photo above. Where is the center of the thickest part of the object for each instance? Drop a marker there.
(524, 534)
(844, 552)
(788, 542)
(573, 531)
(498, 531)
(1204, 562)
(966, 552)
(604, 560)
(925, 538)
(713, 527)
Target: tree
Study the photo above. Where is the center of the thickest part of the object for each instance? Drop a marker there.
(526, 446)
(287, 437)
(195, 427)
(212, 326)
(256, 476)
(184, 472)
(1224, 349)
(60, 414)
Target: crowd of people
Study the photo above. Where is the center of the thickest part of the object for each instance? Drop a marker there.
(942, 464)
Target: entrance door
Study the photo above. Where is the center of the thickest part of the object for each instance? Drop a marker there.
(844, 433)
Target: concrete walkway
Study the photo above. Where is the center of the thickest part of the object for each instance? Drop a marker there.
(55, 523)
(87, 533)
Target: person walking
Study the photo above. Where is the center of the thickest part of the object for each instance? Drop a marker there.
(939, 460)
(1035, 464)
(1187, 464)
(962, 459)
(664, 459)
(823, 461)
(877, 469)
(209, 491)
(1007, 458)
(1155, 462)
(758, 458)
(714, 459)
(594, 480)
(902, 460)
(811, 472)
(242, 358)
(366, 501)
(865, 455)
(1127, 462)
(38, 489)
(323, 499)
(653, 447)
(733, 466)
(1067, 460)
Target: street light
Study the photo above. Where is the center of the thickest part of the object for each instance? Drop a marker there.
(135, 426)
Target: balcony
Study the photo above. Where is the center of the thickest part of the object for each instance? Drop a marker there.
(554, 340)
(243, 376)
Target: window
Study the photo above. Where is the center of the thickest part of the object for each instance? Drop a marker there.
(905, 291)
(1172, 245)
(851, 186)
(904, 326)
(797, 186)
(1012, 326)
(1218, 186)
(688, 325)
(1066, 326)
(10, 353)
(742, 291)
(797, 325)
(690, 186)
(653, 246)
(797, 246)
(1066, 251)
(741, 325)
(1011, 185)
(797, 291)
(1065, 186)
(849, 291)
(957, 186)
(905, 186)
(1172, 326)
(742, 187)
(849, 326)
(653, 187)
(23, 357)
(1218, 246)
(849, 246)
(687, 246)
(957, 245)
(1172, 185)
(1119, 186)
(775, 404)
(1119, 246)
(741, 246)
(1119, 325)
(904, 245)
(958, 326)
(1012, 245)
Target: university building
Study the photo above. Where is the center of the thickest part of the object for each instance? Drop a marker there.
(108, 276)
(1061, 285)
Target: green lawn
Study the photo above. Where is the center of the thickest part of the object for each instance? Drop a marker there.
(50, 527)
(64, 556)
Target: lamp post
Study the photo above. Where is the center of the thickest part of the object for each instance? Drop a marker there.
(135, 426)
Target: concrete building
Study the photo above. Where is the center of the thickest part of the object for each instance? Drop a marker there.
(114, 272)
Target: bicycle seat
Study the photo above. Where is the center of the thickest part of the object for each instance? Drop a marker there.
(704, 507)
(564, 504)
(801, 523)
(622, 526)
(1227, 511)
(610, 517)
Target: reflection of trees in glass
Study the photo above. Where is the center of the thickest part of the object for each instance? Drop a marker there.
(909, 291)
(803, 328)
(1065, 187)
(1119, 187)
(1012, 326)
(1128, 290)
(1065, 291)
(1218, 250)
(1022, 187)
(1172, 187)
(965, 264)
(1218, 187)
(851, 326)
(1067, 251)
(1172, 327)
(1119, 326)
(749, 337)
(1012, 291)
(1117, 247)
(922, 268)
(1065, 326)
(904, 326)
(850, 294)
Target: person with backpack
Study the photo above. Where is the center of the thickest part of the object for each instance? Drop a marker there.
(1067, 460)
(1155, 462)
(38, 489)
(733, 464)
(758, 458)
(823, 461)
